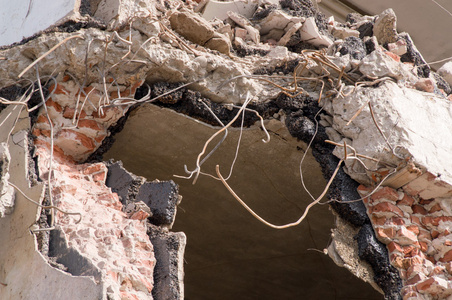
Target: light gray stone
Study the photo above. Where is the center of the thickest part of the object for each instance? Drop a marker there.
(385, 28)
(446, 72)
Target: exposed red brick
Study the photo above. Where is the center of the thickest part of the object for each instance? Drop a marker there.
(140, 215)
(412, 261)
(396, 260)
(393, 56)
(418, 209)
(385, 233)
(69, 113)
(406, 200)
(416, 269)
(426, 201)
(448, 243)
(94, 168)
(378, 220)
(58, 89)
(415, 279)
(407, 250)
(409, 291)
(386, 207)
(438, 270)
(98, 115)
(396, 221)
(99, 138)
(435, 220)
(415, 220)
(406, 237)
(86, 123)
(115, 94)
(426, 284)
(88, 89)
(393, 246)
(435, 208)
(79, 137)
(58, 153)
(42, 119)
(36, 132)
(385, 193)
(447, 257)
(416, 251)
(448, 267)
(434, 234)
(56, 106)
(414, 229)
(424, 246)
(425, 84)
(431, 259)
(66, 78)
(363, 190)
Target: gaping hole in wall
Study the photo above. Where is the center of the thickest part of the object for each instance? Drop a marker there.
(229, 254)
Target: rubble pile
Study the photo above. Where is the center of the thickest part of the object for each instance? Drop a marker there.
(360, 92)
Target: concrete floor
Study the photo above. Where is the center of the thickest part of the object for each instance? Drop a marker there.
(229, 254)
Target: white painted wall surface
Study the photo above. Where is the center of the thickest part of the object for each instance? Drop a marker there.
(23, 18)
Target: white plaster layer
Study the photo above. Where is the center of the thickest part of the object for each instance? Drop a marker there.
(23, 18)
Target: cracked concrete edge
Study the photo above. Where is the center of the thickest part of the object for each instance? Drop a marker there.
(343, 250)
(169, 249)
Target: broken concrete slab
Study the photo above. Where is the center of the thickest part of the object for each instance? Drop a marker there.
(310, 34)
(220, 9)
(240, 20)
(169, 248)
(391, 111)
(378, 64)
(199, 31)
(385, 27)
(162, 198)
(276, 23)
(122, 182)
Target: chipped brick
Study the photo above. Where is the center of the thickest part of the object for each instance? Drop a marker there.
(406, 237)
(386, 207)
(385, 193)
(447, 257)
(406, 200)
(418, 209)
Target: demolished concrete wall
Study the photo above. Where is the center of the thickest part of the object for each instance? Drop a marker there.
(359, 94)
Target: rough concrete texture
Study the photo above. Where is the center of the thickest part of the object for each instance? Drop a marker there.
(169, 270)
(161, 197)
(91, 68)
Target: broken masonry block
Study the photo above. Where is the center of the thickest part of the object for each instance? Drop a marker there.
(169, 248)
(162, 197)
(121, 181)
